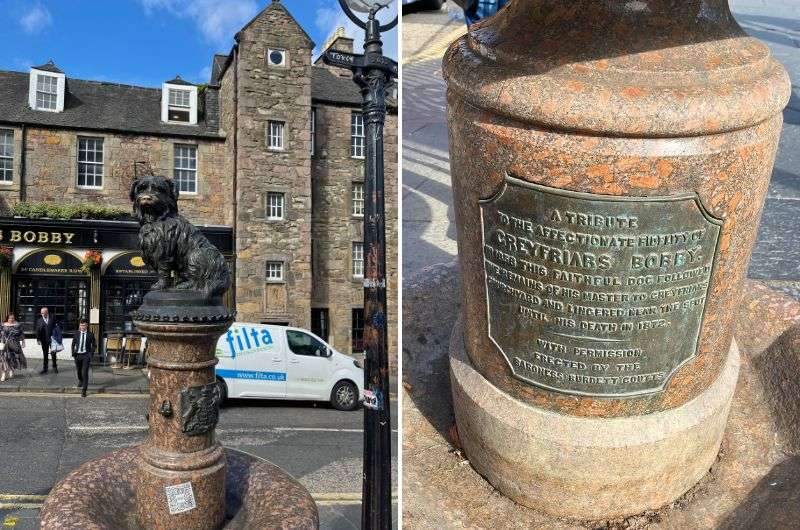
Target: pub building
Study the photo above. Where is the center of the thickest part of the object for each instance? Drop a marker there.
(268, 159)
(47, 271)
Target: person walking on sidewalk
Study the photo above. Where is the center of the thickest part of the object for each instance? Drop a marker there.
(12, 340)
(83, 347)
(44, 333)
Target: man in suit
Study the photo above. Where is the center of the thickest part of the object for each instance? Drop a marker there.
(44, 332)
(83, 347)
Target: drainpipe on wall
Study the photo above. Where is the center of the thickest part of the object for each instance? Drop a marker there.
(22, 165)
(235, 161)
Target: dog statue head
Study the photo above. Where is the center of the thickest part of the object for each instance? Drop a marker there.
(154, 198)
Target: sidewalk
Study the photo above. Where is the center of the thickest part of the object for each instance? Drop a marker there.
(102, 379)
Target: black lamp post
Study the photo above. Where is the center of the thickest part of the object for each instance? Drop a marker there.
(373, 72)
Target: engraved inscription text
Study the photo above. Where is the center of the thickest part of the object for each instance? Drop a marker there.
(593, 294)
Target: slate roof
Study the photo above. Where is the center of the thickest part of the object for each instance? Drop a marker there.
(216, 67)
(328, 87)
(179, 81)
(99, 106)
(50, 66)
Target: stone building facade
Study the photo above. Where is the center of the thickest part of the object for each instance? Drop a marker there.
(272, 156)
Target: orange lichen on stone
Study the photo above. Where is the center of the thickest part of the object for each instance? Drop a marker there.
(576, 86)
(713, 62)
(600, 170)
(626, 164)
(652, 57)
(562, 181)
(612, 188)
(664, 168)
(725, 241)
(633, 92)
(737, 198)
(601, 64)
(645, 181)
(590, 143)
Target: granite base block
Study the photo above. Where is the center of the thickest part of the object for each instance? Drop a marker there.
(101, 495)
(587, 468)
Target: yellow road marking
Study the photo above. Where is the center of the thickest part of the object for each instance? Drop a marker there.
(437, 48)
(10, 521)
(17, 501)
(16, 497)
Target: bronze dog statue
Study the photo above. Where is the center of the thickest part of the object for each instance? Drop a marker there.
(170, 243)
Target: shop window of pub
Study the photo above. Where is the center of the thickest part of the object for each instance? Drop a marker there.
(319, 322)
(357, 330)
(121, 297)
(90, 162)
(67, 299)
(6, 156)
(185, 168)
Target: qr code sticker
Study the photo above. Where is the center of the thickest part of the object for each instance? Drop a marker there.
(180, 498)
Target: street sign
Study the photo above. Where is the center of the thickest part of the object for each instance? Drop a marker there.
(343, 59)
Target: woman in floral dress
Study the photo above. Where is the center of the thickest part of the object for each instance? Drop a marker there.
(11, 356)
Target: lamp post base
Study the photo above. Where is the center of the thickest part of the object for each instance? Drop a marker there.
(101, 495)
(587, 468)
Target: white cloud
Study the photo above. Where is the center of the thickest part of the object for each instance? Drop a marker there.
(35, 19)
(217, 21)
(330, 18)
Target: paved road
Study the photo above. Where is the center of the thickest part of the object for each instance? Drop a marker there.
(45, 437)
(428, 227)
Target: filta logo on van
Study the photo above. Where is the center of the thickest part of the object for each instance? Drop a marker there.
(244, 341)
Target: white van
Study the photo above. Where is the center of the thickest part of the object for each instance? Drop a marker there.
(277, 362)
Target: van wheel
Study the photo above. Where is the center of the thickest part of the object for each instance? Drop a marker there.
(344, 396)
(223, 391)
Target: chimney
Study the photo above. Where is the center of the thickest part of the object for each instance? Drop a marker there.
(339, 42)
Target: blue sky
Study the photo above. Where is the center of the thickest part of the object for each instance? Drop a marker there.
(145, 42)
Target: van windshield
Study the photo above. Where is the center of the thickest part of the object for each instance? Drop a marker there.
(304, 344)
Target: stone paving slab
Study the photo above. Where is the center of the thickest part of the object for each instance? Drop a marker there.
(102, 379)
(755, 482)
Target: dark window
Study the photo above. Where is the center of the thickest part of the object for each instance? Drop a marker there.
(304, 344)
(121, 297)
(179, 115)
(67, 299)
(357, 330)
(277, 57)
(319, 322)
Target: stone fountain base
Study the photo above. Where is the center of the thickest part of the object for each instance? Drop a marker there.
(101, 495)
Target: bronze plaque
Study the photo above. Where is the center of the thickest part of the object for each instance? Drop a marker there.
(596, 295)
(200, 409)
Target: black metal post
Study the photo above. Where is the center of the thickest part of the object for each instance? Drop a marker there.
(373, 72)
(376, 507)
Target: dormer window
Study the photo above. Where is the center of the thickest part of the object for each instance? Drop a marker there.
(179, 102)
(46, 92)
(46, 88)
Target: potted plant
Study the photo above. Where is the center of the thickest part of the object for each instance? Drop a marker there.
(91, 261)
